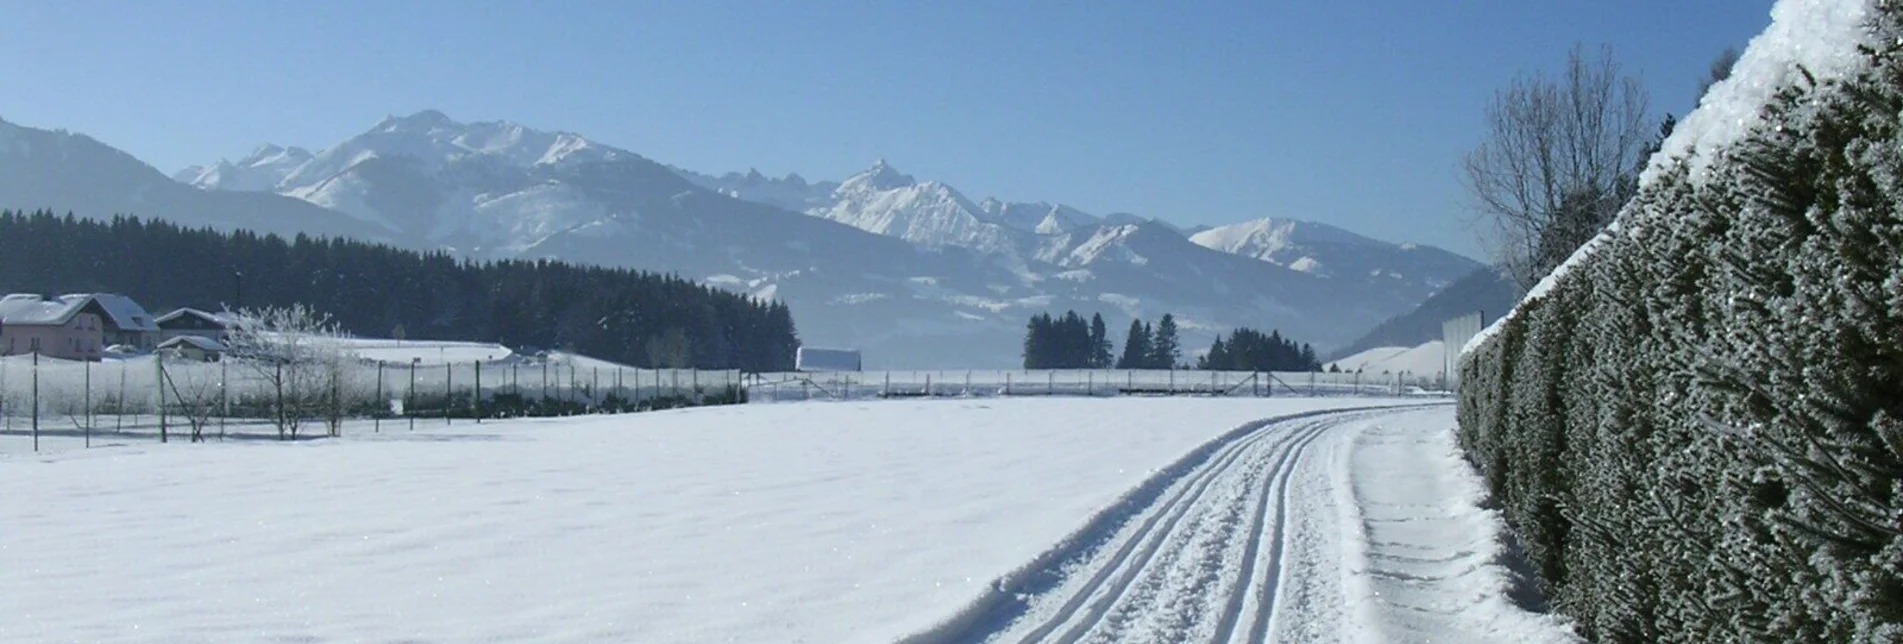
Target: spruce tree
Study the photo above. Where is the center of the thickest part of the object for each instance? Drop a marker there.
(1099, 343)
(1165, 350)
(1136, 347)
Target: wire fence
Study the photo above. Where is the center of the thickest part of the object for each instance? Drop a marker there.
(1082, 382)
(45, 401)
(59, 404)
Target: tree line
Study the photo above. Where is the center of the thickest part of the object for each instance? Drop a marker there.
(1069, 342)
(634, 317)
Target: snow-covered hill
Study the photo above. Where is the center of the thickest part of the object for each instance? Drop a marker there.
(913, 272)
(67, 172)
(263, 169)
(1326, 251)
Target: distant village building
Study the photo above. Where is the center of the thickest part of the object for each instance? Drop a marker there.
(194, 323)
(814, 359)
(63, 329)
(126, 322)
(192, 347)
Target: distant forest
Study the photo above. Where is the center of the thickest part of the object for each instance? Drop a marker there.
(633, 317)
(1069, 342)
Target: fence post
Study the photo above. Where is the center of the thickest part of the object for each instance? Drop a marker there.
(120, 424)
(1050, 383)
(89, 402)
(1172, 382)
(887, 392)
(476, 400)
(928, 385)
(409, 400)
(1007, 383)
(36, 400)
(449, 375)
(968, 382)
(1090, 383)
(160, 360)
(384, 404)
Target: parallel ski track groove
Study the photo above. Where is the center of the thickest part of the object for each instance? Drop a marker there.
(1278, 490)
(1148, 537)
(1086, 608)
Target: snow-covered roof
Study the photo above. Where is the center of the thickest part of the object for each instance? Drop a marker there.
(121, 311)
(1820, 37)
(221, 319)
(29, 309)
(205, 344)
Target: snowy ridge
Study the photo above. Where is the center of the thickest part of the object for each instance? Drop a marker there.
(884, 201)
(1818, 36)
(913, 271)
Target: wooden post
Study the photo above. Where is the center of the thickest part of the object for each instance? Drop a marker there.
(89, 402)
(385, 404)
(476, 401)
(160, 359)
(409, 400)
(449, 374)
(36, 400)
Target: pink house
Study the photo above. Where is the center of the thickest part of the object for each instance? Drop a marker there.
(67, 329)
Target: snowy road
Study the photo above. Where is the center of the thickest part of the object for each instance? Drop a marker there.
(1355, 525)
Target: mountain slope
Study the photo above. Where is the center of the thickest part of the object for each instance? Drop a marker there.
(1484, 290)
(69, 172)
(1327, 251)
(911, 271)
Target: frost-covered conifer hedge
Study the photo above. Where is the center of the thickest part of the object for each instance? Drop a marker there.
(1697, 430)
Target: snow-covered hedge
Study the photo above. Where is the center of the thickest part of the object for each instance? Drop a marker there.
(1697, 429)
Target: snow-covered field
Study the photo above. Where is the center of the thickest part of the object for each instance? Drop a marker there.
(1428, 359)
(825, 522)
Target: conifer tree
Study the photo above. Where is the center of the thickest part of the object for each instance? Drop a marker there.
(1136, 347)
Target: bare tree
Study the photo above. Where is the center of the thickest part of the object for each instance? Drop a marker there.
(1720, 69)
(1560, 157)
(198, 391)
(296, 352)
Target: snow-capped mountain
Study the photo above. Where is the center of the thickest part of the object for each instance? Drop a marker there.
(912, 271)
(262, 170)
(1038, 217)
(791, 192)
(1329, 252)
(64, 171)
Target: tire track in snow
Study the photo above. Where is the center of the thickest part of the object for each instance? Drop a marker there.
(1134, 558)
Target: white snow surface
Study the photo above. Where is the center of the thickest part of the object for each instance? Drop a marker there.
(1428, 358)
(423, 351)
(847, 522)
(1816, 36)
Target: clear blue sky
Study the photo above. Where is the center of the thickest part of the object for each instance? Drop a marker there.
(1352, 113)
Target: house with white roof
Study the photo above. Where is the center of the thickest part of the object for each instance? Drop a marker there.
(126, 322)
(189, 322)
(63, 329)
(192, 347)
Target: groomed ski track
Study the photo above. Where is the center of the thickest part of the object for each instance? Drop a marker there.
(1344, 525)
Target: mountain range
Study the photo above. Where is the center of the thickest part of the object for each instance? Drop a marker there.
(912, 271)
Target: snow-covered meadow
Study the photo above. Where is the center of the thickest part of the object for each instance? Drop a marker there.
(821, 522)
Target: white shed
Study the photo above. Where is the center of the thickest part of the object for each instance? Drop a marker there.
(817, 359)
